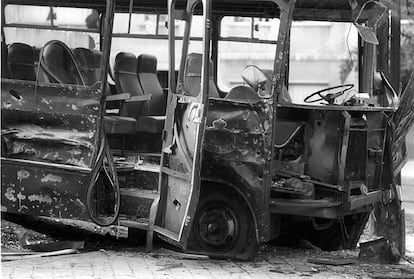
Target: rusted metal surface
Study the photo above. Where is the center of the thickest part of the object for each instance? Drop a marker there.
(53, 129)
(235, 153)
(43, 191)
(50, 123)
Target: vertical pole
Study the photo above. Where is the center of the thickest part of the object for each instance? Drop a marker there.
(395, 45)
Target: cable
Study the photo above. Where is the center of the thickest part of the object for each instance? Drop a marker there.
(104, 151)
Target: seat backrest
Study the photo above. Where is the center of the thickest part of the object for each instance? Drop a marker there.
(59, 64)
(5, 71)
(98, 60)
(126, 81)
(242, 93)
(87, 63)
(125, 74)
(147, 76)
(192, 76)
(22, 61)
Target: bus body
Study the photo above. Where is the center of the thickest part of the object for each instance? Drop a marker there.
(211, 161)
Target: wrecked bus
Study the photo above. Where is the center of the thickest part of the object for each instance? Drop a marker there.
(183, 119)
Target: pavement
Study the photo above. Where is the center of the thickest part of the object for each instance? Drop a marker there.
(127, 264)
(132, 264)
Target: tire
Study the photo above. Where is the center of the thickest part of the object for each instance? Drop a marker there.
(223, 226)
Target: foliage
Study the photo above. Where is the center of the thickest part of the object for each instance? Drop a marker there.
(407, 41)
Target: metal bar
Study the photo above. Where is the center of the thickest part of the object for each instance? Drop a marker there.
(184, 51)
(359, 201)
(171, 48)
(344, 149)
(175, 173)
(44, 164)
(157, 24)
(131, 5)
(252, 28)
(43, 27)
(395, 45)
(247, 40)
(278, 75)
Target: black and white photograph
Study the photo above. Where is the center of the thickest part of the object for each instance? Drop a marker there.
(212, 139)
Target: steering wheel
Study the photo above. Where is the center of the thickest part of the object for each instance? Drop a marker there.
(330, 97)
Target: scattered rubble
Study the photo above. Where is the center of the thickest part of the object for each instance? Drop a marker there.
(19, 243)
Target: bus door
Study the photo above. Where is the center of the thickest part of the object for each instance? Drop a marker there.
(181, 157)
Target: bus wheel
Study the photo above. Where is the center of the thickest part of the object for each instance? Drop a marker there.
(223, 227)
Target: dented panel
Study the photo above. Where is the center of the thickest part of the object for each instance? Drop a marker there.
(50, 135)
(43, 191)
(50, 123)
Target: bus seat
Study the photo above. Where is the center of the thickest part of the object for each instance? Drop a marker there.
(148, 79)
(192, 76)
(87, 63)
(22, 61)
(59, 64)
(242, 93)
(152, 118)
(126, 81)
(5, 71)
(98, 60)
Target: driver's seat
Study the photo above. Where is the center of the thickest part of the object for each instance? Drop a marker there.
(192, 76)
(242, 93)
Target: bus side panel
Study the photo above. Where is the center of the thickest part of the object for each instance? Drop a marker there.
(42, 191)
(235, 154)
(50, 123)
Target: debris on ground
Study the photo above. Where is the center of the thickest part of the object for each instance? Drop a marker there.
(171, 266)
(305, 244)
(7, 256)
(380, 250)
(299, 262)
(332, 261)
(167, 252)
(54, 246)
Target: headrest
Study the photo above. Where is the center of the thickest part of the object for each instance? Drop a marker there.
(85, 58)
(21, 54)
(147, 64)
(193, 65)
(125, 62)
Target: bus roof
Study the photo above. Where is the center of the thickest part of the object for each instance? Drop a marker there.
(333, 10)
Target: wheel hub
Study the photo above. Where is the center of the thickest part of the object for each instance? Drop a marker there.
(218, 227)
